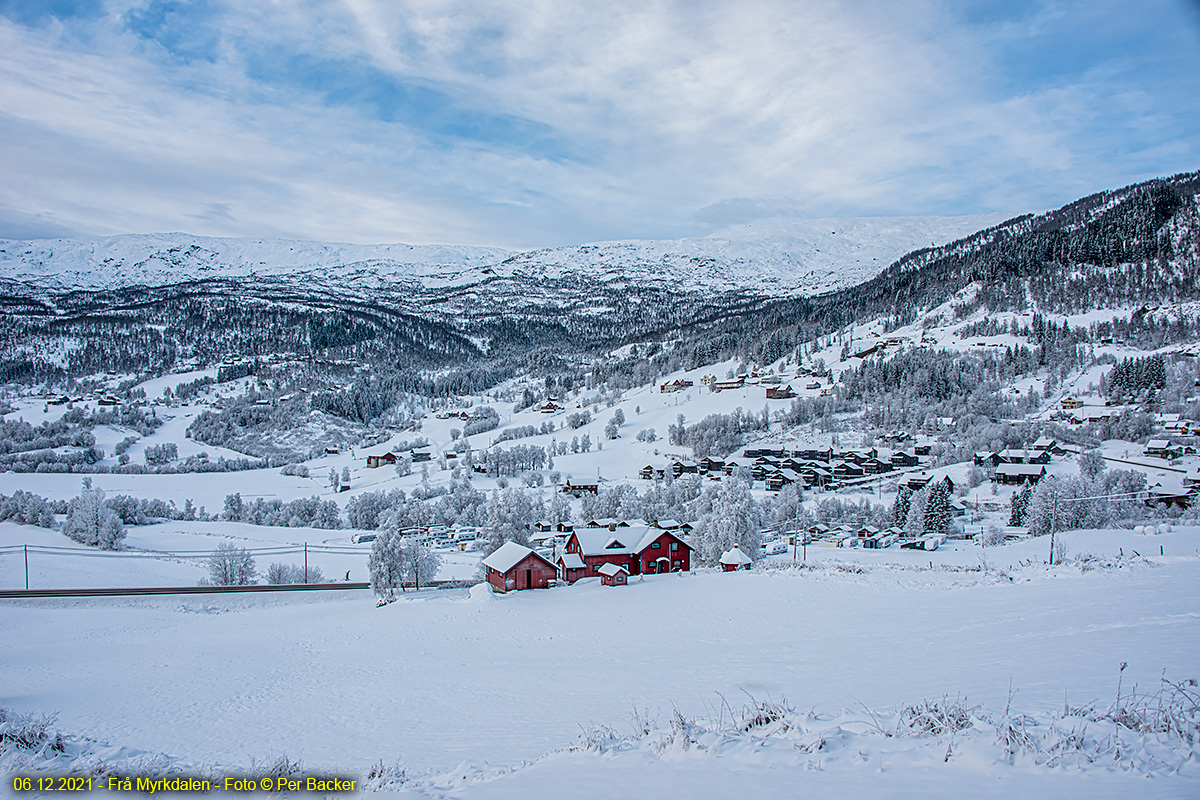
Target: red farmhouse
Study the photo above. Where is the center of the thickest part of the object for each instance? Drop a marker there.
(515, 566)
(640, 550)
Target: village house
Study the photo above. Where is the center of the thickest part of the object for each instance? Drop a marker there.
(1071, 403)
(580, 489)
(780, 393)
(814, 454)
(640, 550)
(514, 567)
(379, 461)
(675, 386)
(1019, 473)
(673, 525)
(1162, 448)
(680, 467)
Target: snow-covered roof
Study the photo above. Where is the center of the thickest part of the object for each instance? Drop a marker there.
(611, 569)
(735, 556)
(623, 541)
(507, 556)
(572, 561)
(598, 541)
(1158, 444)
(1020, 469)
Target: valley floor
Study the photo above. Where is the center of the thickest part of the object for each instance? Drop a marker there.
(482, 696)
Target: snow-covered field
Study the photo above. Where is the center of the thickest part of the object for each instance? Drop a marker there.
(482, 696)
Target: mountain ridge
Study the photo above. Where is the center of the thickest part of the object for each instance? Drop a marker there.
(798, 257)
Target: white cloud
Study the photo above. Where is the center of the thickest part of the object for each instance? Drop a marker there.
(658, 119)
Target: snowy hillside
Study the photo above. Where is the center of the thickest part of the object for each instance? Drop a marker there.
(798, 257)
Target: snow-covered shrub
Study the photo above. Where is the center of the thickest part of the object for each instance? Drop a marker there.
(26, 508)
(279, 573)
(161, 453)
(231, 565)
(761, 713)
(383, 777)
(33, 732)
(295, 470)
(937, 717)
(647, 435)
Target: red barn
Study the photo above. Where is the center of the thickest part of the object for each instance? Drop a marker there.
(379, 461)
(515, 567)
(641, 550)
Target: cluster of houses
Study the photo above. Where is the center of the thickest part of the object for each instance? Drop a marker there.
(778, 466)
(611, 550)
(1024, 465)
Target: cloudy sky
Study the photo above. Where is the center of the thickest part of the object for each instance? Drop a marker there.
(525, 123)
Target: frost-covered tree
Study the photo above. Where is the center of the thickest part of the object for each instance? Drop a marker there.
(386, 564)
(787, 510)
(1092, 465)
(161, 453)
(647, 435)
(334, 479)
(27, 508)
(345, 478)
(733, 519)
(937, 508)
(914, 525)
(507, 517)
(418, 563)
(1019, 505)
(902, 505)
(231, 565)
(235, 509)
(91, 522)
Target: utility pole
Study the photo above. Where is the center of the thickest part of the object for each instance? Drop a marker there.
(25, 547)
(306, 562)
(1053, 528)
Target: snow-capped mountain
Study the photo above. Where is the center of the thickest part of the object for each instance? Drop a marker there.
(802, 257)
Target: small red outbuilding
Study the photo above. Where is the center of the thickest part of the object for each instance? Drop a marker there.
(613, 575)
